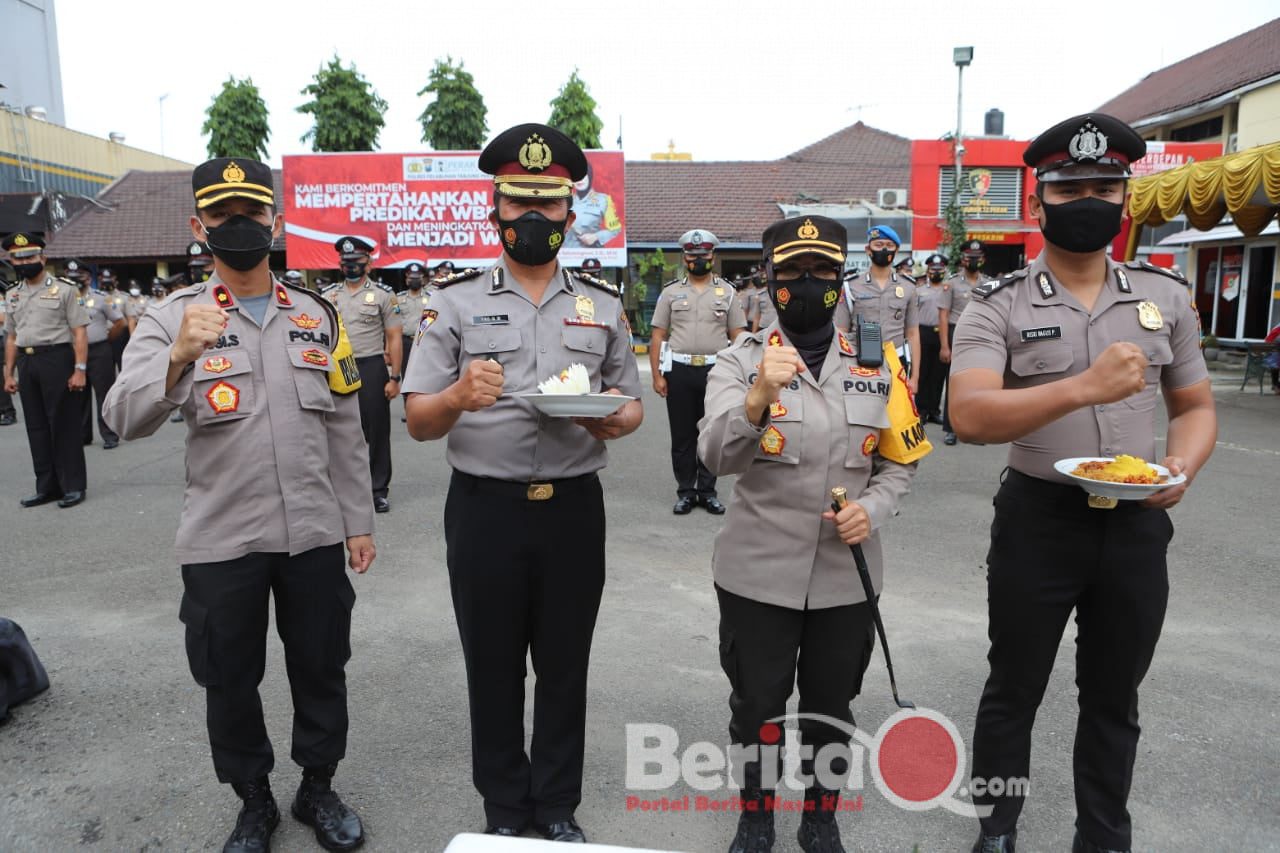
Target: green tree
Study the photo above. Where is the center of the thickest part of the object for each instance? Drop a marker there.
(455, 120)
(956, 231)
(346, 109)
(236, 121)
(573, 113)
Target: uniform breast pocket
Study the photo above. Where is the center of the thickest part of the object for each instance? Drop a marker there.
(1041, 358)
(223, 388)
(865, 416)
(585, 343)
(1159, 356)
(369, 313)
(780, 443)
(485, 341)
(680, 305)
(311, 378)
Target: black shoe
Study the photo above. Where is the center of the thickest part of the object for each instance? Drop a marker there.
(381, 505)
(505, 831)
(683, 506)
(995, 843)
(318, 806)
(713, 505)
(755, 827)
(949, 438)
(818, 831)
(110, 444)
(176, 418)
(404, 419)
(934, 419)
(70, 499)
(258, 819)
(8, 418)
(562, 830)
(87, 442)
(1080, 844)
(39, 498)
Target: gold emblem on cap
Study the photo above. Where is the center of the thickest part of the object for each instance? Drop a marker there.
(535, 154)
(586, 309)
(21, 240)
(233, 174)
(1149, 316)
(807, 231)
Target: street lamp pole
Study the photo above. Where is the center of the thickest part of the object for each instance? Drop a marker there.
(162, 97)
(961, 56)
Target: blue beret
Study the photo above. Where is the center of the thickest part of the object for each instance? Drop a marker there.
(883, 232)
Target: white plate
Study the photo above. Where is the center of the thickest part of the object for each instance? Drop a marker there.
(577, 405)
(1119, 491)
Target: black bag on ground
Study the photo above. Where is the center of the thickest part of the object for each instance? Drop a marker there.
(21, 675)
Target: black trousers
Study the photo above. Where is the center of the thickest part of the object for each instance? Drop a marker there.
(406, 347)
(946, 383)
(686, 388)
(375, 420)
(118, 343)
(224, 608)
(932, 373)
(1052, 554)
(6, 399)
(526, 578)
(767, 650)
(102, 375)
(52, 415)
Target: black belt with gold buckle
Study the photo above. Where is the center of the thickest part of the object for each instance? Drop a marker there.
(531, 491)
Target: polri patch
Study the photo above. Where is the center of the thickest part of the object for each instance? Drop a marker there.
(1043, 333)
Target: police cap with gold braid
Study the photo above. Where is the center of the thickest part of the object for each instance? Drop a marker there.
(805, 235)
(232, 177)
(22, 245)
(533, 161)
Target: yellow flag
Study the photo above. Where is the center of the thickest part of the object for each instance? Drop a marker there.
(344, 376)
(904, 441)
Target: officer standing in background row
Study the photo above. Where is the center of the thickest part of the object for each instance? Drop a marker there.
(8, 415)
(412, 303)
(695, 317)
(903, 268)
(882, 296)
(371, 315)
(258, 399)
(199, 262)
(532, 582)
(444, 269)
(1065, 358)
(106, 322)
(956, 299)
(763, 313)
(46, 354)
(930, 293)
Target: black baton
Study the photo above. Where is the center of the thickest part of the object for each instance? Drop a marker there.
(839, 500)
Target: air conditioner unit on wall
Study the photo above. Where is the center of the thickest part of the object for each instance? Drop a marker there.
(892, 198)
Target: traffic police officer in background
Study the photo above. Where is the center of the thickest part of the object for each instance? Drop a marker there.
(955, 299)
(412, 303)
(785, 413)
(106, 322)
(534, 584)
(695, 317)
(1065, 358)
(46, 354)
(8, 415)
(259, 397)
(372, 319)
(930, 293)
(883, 296)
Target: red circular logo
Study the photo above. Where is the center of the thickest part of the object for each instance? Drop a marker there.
(770, 733)
(917, 759)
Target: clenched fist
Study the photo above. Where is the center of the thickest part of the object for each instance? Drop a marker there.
(1120, 372)
(201, 327)
(778, 367)
(479, 386)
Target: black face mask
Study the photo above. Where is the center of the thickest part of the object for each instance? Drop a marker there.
(698, 266)
(1084, 225)
(198, 274)
(882, 257)
(353, 270)
(241, 243)
(973, 265)
(28, 271)
(805, 304)
(532, 239)
(935, 277)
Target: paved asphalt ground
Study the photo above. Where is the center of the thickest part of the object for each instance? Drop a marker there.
(115, 757)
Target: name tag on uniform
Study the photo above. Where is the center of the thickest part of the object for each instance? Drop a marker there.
(491, 319)
(1043, 333)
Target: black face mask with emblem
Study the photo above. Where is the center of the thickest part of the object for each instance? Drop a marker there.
(241, 242)
(882, 257)
(1084, 225)
(353, 270)
(973, 264)
(806, 304)
(532, 239)
(26, 272)
(698, 266)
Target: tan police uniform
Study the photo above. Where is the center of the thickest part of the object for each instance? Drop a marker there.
(959, 291)
(929, 367)
(104, 313)
(893, 307)
(411, 306)
(764, 314)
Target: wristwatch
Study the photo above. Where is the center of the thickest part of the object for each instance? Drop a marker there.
(394, 377)
(83, 367)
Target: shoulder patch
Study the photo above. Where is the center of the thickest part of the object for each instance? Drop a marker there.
(598, 283)
(454, 278)
(1149, 267)
(987, 288)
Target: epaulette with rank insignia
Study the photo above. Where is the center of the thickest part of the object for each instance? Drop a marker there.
(388, 288)
(673, 281)
(987, 288)
(454, 278)
(329, 288)
(598, 283)
(67, 282)
(1149, 267)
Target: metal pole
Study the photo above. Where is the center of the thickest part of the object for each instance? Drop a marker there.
(959, 138)
(162, 97)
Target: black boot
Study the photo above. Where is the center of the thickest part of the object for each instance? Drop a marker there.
(318, 806)
(1080, 844)
(995, 843)
(755, 824)
(258, 818)
(818, 831)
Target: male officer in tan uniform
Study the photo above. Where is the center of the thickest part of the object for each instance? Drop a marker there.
(695, 317)
(958, 290)
(931, 292)
(533, 582)
(106, 322)
(46, 353)
(371, 315)
(883, 296)
(252, 362)
(411, 302)
(1066, 358)
(762, 314)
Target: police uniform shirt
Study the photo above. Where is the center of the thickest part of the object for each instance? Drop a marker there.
(117, 299)
(1031, 331)
(765, 312)
(489, 316)
(928, 300)
(411, 306)
(894, 307)
(698, 323)
(775, 547)
(103, 314)
(136, 305)
(959, 292)
(45, 313)
(276, 461)
(367, 312)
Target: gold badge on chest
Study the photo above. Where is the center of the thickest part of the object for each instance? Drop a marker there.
(898, 291)
(1149, 316)
(370, 298)
(586, 308)
(719, 290)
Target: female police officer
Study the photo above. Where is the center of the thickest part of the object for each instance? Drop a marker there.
(791, 410)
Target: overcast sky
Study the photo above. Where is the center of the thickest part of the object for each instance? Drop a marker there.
(724, 80)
